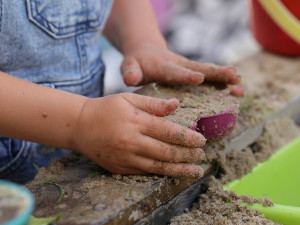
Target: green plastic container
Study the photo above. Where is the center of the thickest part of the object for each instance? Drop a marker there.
(279, 180)
(16, 204)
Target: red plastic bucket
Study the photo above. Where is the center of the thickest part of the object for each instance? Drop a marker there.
(276, 25)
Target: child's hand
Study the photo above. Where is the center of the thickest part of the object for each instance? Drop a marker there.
(124, 134)
(147, 63)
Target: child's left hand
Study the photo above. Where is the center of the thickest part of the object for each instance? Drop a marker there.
(148, 63)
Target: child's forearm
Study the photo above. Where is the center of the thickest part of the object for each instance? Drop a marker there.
(36, 113)
(135, 141)
(131, 22)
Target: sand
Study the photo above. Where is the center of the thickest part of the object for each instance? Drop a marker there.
(277, 134)
(211, 208)
(92, 198)
(194, 102)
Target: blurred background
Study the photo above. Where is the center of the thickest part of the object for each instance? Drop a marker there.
(204, 30)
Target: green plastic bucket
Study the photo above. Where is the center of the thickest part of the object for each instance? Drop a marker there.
(279, 180)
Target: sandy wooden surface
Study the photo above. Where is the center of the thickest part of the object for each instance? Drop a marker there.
(94, 196)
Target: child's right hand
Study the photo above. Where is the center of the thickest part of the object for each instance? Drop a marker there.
(124, 134)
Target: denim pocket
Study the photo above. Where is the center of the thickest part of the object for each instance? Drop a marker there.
(13, 153)
(66, 18)
(91, 85)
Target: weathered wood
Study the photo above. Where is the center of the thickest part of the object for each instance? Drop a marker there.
(176, 205)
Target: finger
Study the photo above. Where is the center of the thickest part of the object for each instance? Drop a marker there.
(158, 150)
(163, 129)
(213, 73)
(175, 74)
(132, 72)
(169, 169)
(236, 90)
(154, 106)
(166, 131)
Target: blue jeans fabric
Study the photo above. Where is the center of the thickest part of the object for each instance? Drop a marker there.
(55, 43)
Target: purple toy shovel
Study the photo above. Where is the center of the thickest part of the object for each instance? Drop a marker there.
(217, 126)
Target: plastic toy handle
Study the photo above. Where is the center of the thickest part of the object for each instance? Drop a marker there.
(287, 215)
(283, 18)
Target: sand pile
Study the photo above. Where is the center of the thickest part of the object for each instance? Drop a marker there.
(194, 102)
(211, 208)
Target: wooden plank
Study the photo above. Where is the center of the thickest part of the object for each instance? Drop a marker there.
(176, 205)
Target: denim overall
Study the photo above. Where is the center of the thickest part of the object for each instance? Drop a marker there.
(54, 43)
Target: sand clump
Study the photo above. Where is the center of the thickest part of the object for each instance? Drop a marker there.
(238, 163)
(194, 101)
(132, 179)
(211, 208)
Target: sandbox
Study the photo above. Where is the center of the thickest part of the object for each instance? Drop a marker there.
(92, 195)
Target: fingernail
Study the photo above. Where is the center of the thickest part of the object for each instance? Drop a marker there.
(236, 79)
(202, 139)
(172, 100)
(198, 172)
(233, 68)
(199, 140)
(237, 91)
(199, 74)
(201, 156)
(130, 78)
(229, 68)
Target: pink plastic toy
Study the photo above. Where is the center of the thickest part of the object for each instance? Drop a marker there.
(217, 126)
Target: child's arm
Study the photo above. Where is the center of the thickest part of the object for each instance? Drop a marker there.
(122, 133)
(37, 113)
(132, 28)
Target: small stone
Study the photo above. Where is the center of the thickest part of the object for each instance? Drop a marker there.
(61, 206)
(100, 206)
